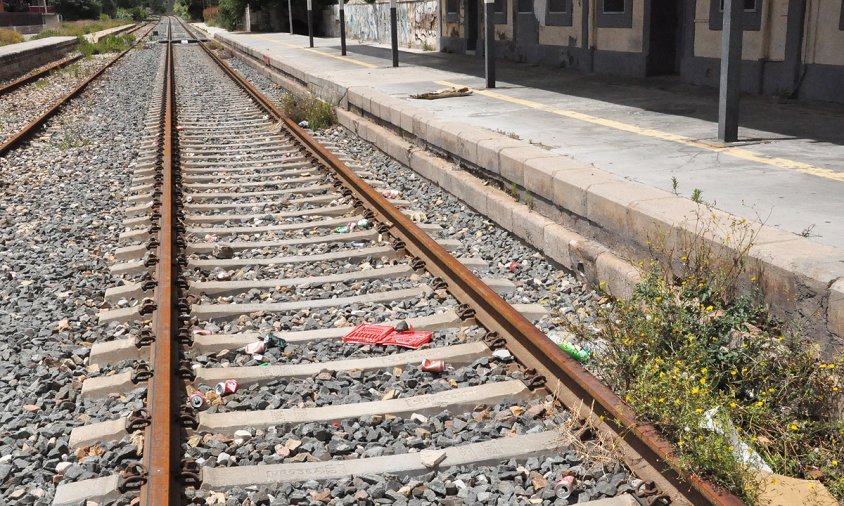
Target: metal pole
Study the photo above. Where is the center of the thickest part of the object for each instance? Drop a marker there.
(342, 27)
(310, 24)
(394, 33)
(728, 97)
(489, 42)
(290, 15)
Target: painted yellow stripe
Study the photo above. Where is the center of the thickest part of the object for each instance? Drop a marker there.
(744, 154)
(312, 50)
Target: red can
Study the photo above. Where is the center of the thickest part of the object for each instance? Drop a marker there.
(198, 400)
(226, 387)
(429, 365)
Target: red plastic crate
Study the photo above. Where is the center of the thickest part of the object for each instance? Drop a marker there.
(366, 333)
(411, 339)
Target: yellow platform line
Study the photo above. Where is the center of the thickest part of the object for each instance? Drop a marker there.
(315, 51)
(744, 154)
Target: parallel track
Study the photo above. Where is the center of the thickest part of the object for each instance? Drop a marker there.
(203, 174)
(34, 126)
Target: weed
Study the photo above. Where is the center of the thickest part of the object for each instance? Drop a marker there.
(807, 232)
(108, 44)
(9, 37)
(529, 200)
(675, 183)
(684, 347)
(213, 45)
(427, 46)
(71, 139)
(696, 195)
(514, 191)
(512, 135)
(317, 113)
(81, 27)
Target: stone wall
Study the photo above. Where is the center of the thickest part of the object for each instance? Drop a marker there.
(370, 22)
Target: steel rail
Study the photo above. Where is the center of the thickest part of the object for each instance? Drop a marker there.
(161, 436)
(530, 346)
(30, 129)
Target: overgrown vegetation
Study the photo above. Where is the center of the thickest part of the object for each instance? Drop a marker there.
(317, 113)
(81, 27)
(687, 354)
(9, 37)
(108, 44)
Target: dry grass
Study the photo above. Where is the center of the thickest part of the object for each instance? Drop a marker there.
(9, 37)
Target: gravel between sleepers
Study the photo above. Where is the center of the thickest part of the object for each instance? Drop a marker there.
(61, 215)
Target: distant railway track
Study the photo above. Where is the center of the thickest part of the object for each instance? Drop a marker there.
(243, 231)
(33, 126)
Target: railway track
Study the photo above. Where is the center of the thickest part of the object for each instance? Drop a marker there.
(20, 91)
(249, 251)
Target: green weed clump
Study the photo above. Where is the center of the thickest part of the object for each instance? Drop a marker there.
(108, 44)
(684, 350)
(81, 27)
(9, 37)
(317, 113)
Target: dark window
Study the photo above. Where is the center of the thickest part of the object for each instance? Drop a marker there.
(525, 5)
(558, 13)
(451, 7)
(749, 5)
(613, 7)
(556, 6)
(615, 14)
(499, 12)
(751, 17)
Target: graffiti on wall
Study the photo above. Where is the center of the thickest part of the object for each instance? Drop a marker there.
(416, 21)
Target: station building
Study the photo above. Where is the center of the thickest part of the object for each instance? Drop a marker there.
(791, 48)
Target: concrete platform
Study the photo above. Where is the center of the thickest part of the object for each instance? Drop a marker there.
(18, 59)
(597, 156)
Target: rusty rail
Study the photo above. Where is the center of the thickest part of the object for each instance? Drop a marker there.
(33, 127)
(531, 347)
(162, 435)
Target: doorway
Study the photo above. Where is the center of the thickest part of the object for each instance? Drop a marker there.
(472, 14)
(664, 37)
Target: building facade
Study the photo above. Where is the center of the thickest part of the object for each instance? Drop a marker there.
(792, 48)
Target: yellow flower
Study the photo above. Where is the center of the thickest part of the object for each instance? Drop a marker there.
(772, 390)
(830, 366)
(683, 258)
(793, 427)
(703, 381)
(709, 308)
(822, 366)
(753, 278)
(680, 443)
(760, 403)
(834, 463)
(703, 371)
(627, 398)
(733, 373)
(661, 399)
(733, 405)
(695, 390)
(658, 299)
(698, 410)
(834, 389)
(700, 285)
(662, 374)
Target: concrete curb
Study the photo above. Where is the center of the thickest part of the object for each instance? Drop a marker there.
(589, 210)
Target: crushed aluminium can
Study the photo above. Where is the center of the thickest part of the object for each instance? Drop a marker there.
(429, 365)
(198, 400)
(226, 387)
